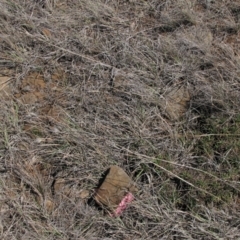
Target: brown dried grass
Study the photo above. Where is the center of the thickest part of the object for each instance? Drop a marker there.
(88, 85)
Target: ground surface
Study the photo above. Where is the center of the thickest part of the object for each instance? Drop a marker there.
(151, 86)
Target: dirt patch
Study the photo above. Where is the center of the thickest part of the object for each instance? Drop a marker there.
(35, 89)
(5, 78)
(31, 89)
(52, 113)
(4, 87)
(233, 40)
(44, 95)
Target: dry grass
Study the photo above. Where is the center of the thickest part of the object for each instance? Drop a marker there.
(152, 86)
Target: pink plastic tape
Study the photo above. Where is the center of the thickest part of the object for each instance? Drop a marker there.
(123, 205)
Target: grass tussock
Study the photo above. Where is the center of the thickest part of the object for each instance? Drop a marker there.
(151, 86)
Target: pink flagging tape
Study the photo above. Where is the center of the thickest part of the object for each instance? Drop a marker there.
(123, 205)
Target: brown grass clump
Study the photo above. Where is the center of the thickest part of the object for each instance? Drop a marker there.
(150, 86)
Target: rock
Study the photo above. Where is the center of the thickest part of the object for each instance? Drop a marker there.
(175, 103)
(115, 186)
